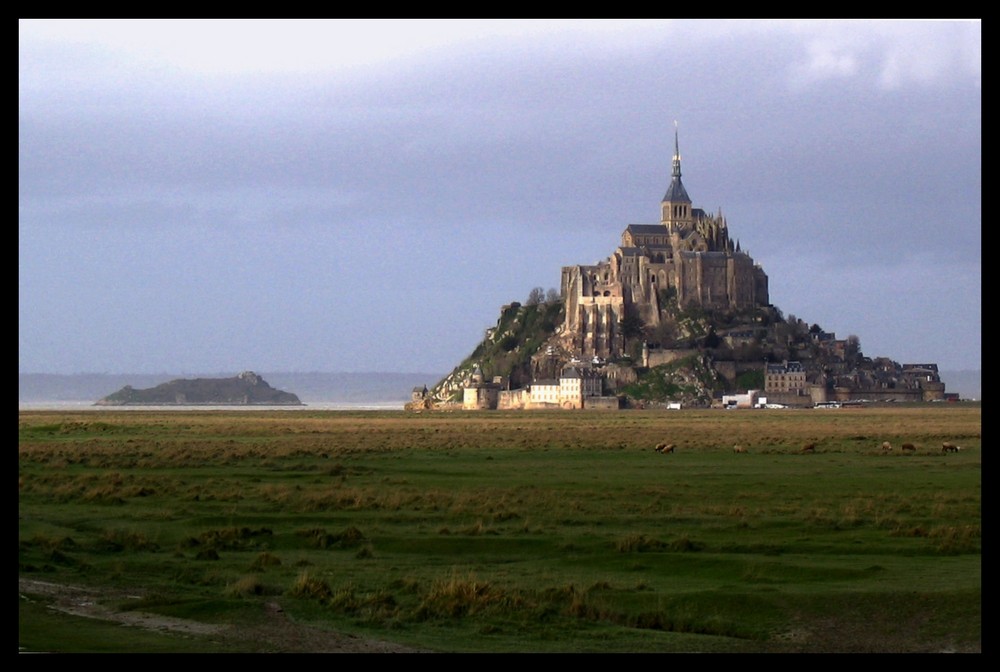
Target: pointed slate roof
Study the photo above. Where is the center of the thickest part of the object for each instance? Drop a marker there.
(676, 193)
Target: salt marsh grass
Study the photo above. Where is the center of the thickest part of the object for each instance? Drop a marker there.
(541, 531)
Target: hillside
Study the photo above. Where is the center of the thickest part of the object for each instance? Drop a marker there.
(692, 355)
(506, 349)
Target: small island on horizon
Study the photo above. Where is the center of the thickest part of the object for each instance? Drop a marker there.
(245, 389)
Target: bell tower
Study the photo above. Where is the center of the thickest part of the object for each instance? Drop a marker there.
(675, 210)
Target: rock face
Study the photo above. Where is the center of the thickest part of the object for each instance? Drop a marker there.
(245, 389)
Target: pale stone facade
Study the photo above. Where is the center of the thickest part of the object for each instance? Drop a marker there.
(785, 377)
(480, 394)
(545, 393)
(574, 387)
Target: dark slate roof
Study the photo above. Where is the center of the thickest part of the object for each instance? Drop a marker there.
(785, 367)
(690, 255)
(579, 372)
(927, 367)
(676, 192)
(646, 228)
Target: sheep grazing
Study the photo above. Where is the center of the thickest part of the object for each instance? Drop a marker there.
(950, 448)
(809, 448)
(886, 447)
(739, 449)
(908, 447)
(665, 448)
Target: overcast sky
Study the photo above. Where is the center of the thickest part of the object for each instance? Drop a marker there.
(348, 195)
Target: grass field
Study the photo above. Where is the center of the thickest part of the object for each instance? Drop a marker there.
(542, 531)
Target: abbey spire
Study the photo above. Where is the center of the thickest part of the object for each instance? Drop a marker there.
(676, 206)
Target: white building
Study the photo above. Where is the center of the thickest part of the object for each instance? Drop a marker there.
(748, 400)
(545, 393)
(574, 386)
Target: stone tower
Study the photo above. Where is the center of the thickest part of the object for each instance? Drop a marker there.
(675, 210)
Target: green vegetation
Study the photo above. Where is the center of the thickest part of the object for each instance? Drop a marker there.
(512, 531)
(520, 333)
(688, 379)
(750, 380)
(41, 629)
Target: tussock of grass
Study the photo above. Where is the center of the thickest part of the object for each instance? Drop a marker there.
(684, 544)
(477, 528)
(638, 543)
(126, 540)
(351, 537)
(265, 560)
(246, 586)
(957, 539)
(231, 538)
(458, 596)
(51, 543)
(310, 588)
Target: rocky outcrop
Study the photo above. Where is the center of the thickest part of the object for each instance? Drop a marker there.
(246, 389)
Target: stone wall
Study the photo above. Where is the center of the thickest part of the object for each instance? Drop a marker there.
(659, 357)
(513, 400)
(602, 403)
(481, 397)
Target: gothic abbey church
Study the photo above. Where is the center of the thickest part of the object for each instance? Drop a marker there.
(687, 258)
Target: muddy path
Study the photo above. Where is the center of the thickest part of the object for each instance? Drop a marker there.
(277, 633)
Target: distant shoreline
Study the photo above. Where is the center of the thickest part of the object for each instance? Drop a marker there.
(195, 403)
(312, 389)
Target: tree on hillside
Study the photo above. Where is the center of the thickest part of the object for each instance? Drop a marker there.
(633, 330)
(536, 296)
(852, 350)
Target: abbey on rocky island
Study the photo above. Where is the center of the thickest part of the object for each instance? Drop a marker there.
(680, 306)
(688, 258)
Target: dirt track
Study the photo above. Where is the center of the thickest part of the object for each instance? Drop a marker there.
(277, 634)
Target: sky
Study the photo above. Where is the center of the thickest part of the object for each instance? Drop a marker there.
(355, 195)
